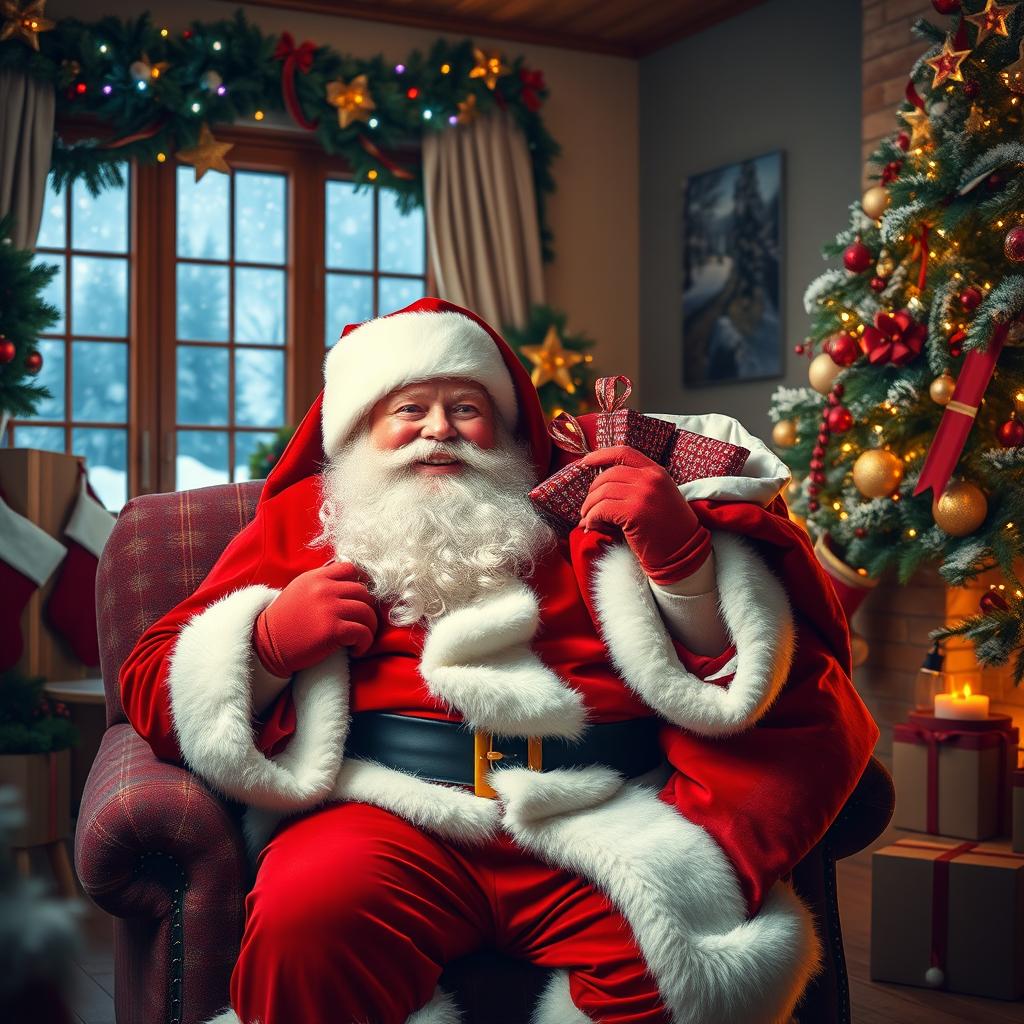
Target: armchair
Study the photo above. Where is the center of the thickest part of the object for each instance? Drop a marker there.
(165, 856)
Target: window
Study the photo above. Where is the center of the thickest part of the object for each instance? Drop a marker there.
(85, 354)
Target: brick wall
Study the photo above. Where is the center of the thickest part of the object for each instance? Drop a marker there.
(896, 620)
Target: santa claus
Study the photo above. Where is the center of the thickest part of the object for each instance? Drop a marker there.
(456, 727)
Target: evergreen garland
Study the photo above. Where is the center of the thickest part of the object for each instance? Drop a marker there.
(30, 723)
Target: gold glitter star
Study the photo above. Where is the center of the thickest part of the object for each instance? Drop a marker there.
(992, 20)
(353, 100)
(947, 64)
(207, 154)
(552, 362)
(488, 67)
(920, 129)
(24, 23)
(975, 119)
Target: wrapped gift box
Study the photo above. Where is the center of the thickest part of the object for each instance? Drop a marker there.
(949, 915)
(1018, 810)
(953, 777)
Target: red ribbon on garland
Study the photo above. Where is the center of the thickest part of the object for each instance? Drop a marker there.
(296, 58)
(378, 154)
(148, 132)
(958, 416)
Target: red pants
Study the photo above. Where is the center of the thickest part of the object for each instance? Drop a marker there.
(355, 912)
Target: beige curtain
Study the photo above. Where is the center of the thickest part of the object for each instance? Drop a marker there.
(484, 239)
(26, 141)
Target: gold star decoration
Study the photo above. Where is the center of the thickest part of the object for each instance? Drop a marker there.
(992, 20)
(353, 101)
(488, 67)
(207, 154)
(1013, 74)
(920, 128)
(467, 110)
(975, 119)
(552, 362)
(24, 23)
(947, 64)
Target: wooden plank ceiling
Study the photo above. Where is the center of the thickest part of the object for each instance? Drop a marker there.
(625, 28)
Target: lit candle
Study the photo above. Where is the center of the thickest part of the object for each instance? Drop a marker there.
(965, 706)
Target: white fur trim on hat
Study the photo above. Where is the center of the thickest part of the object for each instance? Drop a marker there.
(383, 354)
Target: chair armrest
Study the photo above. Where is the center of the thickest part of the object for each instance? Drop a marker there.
(866, 813)
(147, 830)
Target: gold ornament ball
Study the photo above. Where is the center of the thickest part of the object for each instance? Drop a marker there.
(961, 509)
(877, 473)
(822, 373)
(875, 200)
(941, 389)
(784, 434)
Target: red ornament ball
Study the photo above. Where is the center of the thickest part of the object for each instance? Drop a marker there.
(33, 362)
(7, 351)
(799, 349)
(1013, 245)
(840, 419)
(838, 389)
(878, 284)
(970, 299)
(993, 601)
(1011, 433)
(813, 506)
(860, 532)
(843, 349)
(946, 6)
(857, 257)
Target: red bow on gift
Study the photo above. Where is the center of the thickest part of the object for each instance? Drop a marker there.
(896, 339)
(533, 86)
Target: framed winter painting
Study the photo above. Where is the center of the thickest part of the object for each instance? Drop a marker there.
(732, 273)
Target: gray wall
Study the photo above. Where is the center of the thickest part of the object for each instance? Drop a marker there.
(785, 75)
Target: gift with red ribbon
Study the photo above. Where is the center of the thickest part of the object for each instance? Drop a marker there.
(294, 58)
(895, 338)
(952, 776)
(562, 494)
(945, 914)
(617, 425)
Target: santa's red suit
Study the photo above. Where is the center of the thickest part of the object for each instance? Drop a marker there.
(658, 902)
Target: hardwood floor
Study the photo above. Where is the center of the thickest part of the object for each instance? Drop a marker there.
(873, 1003)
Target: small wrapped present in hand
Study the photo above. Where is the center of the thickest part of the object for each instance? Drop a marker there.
(563, 493)
(618, 425)
(693, 456)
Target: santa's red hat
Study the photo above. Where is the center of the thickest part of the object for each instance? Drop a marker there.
(430, 338)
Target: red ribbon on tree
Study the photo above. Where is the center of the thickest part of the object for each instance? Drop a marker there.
(958, 416)
(922, 274)
(533, 86)
(296, 58)
(895, 338)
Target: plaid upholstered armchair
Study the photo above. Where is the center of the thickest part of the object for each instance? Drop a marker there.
(165, 856)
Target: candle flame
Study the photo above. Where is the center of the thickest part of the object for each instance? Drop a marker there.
(967, 690)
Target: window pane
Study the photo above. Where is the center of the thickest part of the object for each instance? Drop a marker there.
(259, 305)
(203, 215)
(259, 217)
(202, 302)
(99, 296)
(349, 227)
(49, 439)
(99, 381)
(259, 387)
(349, 301)
(51, 376)
(52, 228)
(402, 244)
(100, 222)
(54, 291)
(202, 385)
(202, 458)
(106, 460)
(245, 444)
(397, 292)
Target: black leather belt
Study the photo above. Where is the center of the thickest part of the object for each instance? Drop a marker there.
(449, 752)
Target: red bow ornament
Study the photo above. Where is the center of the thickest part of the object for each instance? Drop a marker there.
(897, 338)
(533, 86)
(295, 58)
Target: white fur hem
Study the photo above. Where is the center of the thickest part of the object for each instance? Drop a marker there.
(757, 615)
(211, 702)
(679, 893)
(555, 1005)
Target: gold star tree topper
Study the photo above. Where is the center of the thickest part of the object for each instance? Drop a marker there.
(992, 20)
(353, 101)
(24, 23)
(207, 154)
(488, 67)
(552, 362)
(947, 64)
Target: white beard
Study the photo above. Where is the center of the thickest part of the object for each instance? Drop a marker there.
(431, 543)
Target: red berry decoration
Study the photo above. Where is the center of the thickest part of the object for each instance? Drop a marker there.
(33, 362)
(993, 601)
(1011, 433)
(1013, 245)
(813, 506)
(843, 349)
(857, 257)
(946, 6)
(860, 532)
(7, 351)
(970, 299)
(798, 349)
(840, 419)
(878, 284)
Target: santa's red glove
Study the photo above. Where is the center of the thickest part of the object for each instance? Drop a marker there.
(318, 612)
(642, 500)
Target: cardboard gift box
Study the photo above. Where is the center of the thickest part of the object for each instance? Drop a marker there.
(43, 782)
(1018, 810)
(953, 777)
(949, 915)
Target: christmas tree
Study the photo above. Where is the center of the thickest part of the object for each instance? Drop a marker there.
(908, 445)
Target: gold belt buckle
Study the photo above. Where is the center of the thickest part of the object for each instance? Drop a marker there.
(486, 757)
